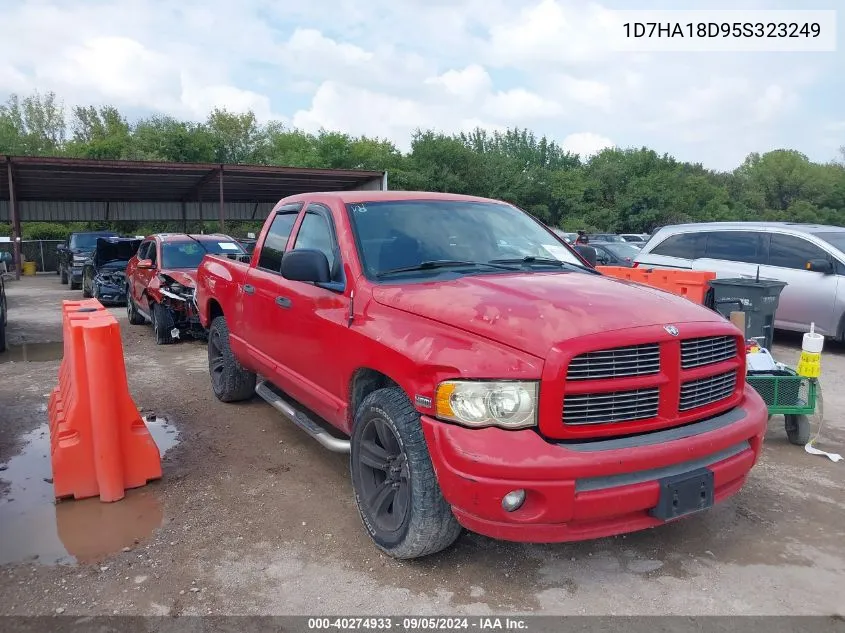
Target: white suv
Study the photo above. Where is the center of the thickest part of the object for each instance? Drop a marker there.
(810, 258)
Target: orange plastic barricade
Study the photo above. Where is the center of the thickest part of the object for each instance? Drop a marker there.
(692, 284)
(99, 445)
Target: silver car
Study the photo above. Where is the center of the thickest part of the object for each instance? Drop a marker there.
(810, 258)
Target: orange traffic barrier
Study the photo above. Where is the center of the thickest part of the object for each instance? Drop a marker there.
(692, 284)
(99, 445)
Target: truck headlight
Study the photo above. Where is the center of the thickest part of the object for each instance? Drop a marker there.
(510, 405)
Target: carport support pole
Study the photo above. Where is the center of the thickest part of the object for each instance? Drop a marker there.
(16, 221)
(222, 206)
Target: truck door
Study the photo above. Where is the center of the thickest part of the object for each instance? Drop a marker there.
(263, 320)
(315, 320)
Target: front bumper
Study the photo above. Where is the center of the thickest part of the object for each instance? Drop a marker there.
(109, 293)
(75, 272)
(585, 490)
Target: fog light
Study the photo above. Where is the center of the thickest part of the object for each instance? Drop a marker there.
(513, 500)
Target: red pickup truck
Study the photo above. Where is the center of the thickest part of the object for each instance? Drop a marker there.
(479, 372)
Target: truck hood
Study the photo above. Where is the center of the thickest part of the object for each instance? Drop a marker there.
(533, 312)
(114, 250)
(185, 277)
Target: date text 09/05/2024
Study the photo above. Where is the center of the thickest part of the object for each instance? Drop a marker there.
(723, 29)
(418, 623)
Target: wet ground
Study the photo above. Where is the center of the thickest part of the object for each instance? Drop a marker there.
(253, 517)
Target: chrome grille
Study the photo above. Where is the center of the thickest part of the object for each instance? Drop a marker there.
(697, 393)
(636, 360)
(616, 406)
(696, 352)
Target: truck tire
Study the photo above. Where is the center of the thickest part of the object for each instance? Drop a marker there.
(396, 490)
(229, 381)
(162, 324)
(135, 317)
(62, 275)
(86, 289)
(797, 429)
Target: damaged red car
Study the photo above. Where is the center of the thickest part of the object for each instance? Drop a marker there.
(161, 282)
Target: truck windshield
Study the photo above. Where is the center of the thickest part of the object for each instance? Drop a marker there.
(190, 254)
(404, 233)
(87, 240)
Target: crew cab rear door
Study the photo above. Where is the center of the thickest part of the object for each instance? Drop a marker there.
(313, 321)
(262, 318)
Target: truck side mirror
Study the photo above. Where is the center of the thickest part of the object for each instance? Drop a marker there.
(145, 264)
(587, 252)
(306, 265)
(820, 266)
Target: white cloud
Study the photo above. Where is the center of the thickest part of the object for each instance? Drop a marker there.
(386, 68)
(585, 144)
(466, 84)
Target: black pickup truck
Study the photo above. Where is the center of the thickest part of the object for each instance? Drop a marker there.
(73, 254)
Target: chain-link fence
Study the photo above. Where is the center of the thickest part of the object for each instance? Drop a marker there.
(43, 252)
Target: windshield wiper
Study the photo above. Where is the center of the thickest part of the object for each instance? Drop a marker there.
(530, 259)
(443, 263)
(546, 261)
(198, 242)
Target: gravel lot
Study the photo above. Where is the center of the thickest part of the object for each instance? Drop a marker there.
(253, 517)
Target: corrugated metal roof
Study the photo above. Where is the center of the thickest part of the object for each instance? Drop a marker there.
(64, 189)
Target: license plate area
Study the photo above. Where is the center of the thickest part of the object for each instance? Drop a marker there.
(684, 494)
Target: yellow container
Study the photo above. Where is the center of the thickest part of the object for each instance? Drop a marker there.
(28, 268)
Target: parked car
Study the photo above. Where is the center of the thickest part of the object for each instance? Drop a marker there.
(248, 244)
(161, 281)
(4, 314)
(605, 237)
(810, 258)
(104, 274)
(569, 238)
(615, 253)
(519, 397)
(635, 238)
(73, 254)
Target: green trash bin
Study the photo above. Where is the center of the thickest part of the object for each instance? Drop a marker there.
(757, 298)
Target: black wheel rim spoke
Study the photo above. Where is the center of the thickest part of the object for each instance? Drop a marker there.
(384, 475)
(381, 499)
(386, 437)
(374, 455)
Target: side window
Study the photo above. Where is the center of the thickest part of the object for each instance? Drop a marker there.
(684, 246)
(277, 239)
(735, 246)
(152, 253)
(788, 251)
(315, 233)
(142, 250)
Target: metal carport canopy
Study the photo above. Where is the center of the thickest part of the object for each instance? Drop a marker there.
(72, 189)
(34, 188)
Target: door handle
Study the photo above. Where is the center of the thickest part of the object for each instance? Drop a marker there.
(283, 302)
(249, 288)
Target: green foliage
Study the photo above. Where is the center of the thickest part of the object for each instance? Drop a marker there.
(618, 189)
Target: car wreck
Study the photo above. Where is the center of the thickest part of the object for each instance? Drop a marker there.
(104, 273)
(161, 279)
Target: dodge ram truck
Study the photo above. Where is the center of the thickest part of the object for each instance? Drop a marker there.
(478, 372)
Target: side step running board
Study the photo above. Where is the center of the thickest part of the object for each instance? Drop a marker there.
(301, 420)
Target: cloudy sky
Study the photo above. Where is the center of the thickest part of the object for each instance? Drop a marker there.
(383, 68)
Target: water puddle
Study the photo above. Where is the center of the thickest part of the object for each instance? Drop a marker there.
(32, 353)
(38, 529)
